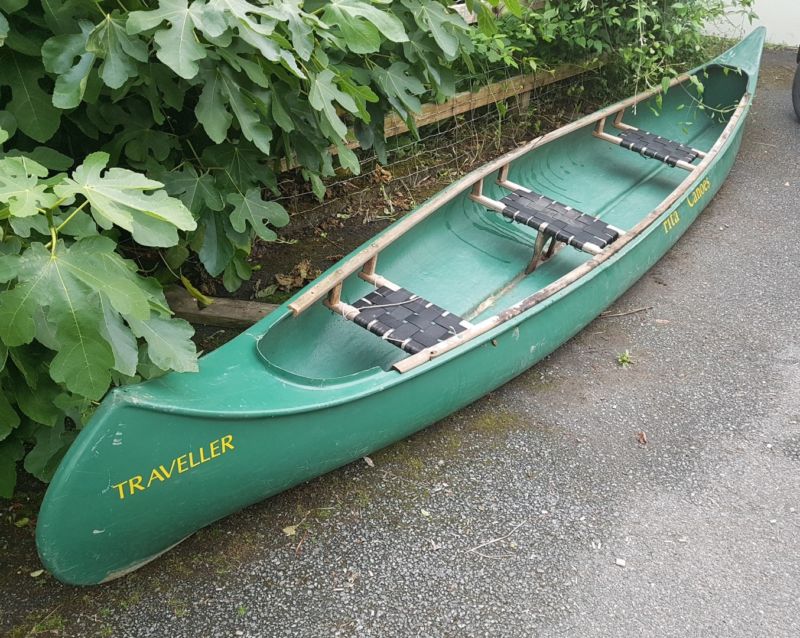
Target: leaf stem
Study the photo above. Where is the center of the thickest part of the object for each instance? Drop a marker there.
(71, 215)
(54, 230)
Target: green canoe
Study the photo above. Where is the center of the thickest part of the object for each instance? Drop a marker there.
(441, 308)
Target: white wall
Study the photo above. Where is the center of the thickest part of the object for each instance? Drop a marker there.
(781, 17)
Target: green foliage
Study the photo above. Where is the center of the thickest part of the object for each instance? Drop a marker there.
(183, 110)
(268, 82)
(75, 316)
(644, 43)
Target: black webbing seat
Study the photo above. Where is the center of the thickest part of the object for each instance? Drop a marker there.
(562, 223)
(657, 147)
(404, 319)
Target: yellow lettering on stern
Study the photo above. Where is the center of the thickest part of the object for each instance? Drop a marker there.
(698, 192)
(121, 488)
(214, 447)
(185, 462)
(226, 443)
(155, 476)
(671, 221)
(135, 483)
(171, 469)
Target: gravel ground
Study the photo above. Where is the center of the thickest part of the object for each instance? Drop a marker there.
(539, 510)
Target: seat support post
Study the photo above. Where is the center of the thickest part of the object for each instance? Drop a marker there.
(538, 249)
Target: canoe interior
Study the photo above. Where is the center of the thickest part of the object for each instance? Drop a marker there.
(464, 253)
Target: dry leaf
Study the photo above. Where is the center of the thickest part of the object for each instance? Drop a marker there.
(290, 530)
(369, 461)
(302, 273)
(37, 573)
(641, 437)
(381, 175)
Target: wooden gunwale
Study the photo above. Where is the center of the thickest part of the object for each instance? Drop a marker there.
(489, 323)
(323, 286)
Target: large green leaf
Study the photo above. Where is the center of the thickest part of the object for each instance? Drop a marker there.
(30, 104)
(363, 25)
(250, 209)
(37, 403)
(59, 54)
(8, 268)
(195, 190)
(21, 189)
(299, 24)
(51, 445)
(255, 26)
(323, 96)
(84, 362)
(222, 91)
(129, 200)
(70, 283)
(237, 167)
(216, 250)
(444, 25)
(178, 46)
(9, 419)
(169, 342)
(401, 88)
(119, 51)
(121, 340)
(210, 109)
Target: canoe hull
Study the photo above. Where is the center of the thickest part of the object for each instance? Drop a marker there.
(199, 469)
(147, 472)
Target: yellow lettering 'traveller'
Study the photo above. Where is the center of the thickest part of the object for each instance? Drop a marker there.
(178, 465)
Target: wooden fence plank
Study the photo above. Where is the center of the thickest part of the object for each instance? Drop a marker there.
(519, 85)
(223, 313)
(489, 94)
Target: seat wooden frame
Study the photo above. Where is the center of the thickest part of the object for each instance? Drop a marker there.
(540, 254)
(600, 132)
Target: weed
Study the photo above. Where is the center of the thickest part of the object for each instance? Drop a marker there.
(624, 359)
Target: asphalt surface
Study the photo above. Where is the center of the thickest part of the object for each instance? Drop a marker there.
(539, 510)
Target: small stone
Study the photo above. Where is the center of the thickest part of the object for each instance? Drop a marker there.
(37, 573)
(620, 562)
